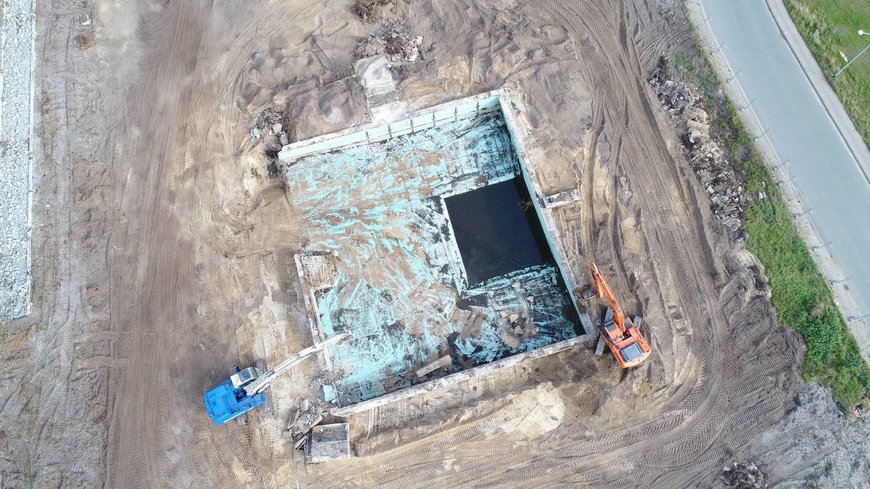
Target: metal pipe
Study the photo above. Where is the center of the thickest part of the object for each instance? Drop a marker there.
(852, 61)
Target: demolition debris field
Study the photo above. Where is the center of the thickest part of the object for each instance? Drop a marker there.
(164, 243)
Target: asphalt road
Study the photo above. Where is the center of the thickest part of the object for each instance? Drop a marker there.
(825, 171)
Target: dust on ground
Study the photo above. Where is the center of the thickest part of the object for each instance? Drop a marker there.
(166, 255)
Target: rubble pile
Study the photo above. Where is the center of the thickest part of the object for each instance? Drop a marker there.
(305, 417)
(743, 476)
(722, 181)
(274, 122)
(393, 38)
(674, 95)
(367, 9)
(516, 324)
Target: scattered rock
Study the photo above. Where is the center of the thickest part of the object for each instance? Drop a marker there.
(392, 38)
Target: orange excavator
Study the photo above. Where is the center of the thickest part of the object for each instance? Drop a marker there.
(619, 333)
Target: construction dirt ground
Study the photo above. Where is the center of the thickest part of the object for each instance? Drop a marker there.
(163, 254)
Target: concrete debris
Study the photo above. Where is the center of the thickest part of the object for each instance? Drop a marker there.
(272, 121)
(599, 347)
(367, 9)
(317, 269)
(328, 442)
(562, 198)
(516, 324)
(743, 476)
(392, 38)
(305, 417)
(467, 322)
(674, 95)
(722, 181)
(382, 98)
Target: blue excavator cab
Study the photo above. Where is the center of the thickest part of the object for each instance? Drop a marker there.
(225, 402)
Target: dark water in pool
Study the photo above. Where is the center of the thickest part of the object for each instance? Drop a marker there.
(497, 230)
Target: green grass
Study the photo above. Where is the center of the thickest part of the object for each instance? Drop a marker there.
(830, 27)
(799, 292)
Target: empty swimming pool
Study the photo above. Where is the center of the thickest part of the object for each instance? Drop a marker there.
(439, 250)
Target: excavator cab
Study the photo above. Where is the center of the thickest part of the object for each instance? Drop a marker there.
(226, 401)
(244, 377)
(631, 353)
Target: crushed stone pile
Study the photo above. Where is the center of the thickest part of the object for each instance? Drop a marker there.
(721, 179)
(743, 476)
(16, 44)
(393, 38)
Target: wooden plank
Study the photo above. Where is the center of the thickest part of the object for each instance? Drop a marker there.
(431, 367)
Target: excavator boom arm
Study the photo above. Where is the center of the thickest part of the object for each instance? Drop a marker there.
(263, 380)
(604, 292)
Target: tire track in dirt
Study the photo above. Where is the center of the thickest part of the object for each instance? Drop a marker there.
(140, 402)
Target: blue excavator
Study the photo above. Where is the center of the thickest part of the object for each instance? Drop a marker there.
(243, 391)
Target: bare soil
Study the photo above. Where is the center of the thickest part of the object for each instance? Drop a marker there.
(165, 256)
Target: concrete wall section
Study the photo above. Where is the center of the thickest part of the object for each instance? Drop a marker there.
(453, 379)
(528, 172)
(372, 133)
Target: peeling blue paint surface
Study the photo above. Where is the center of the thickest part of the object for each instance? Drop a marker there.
(402, 288)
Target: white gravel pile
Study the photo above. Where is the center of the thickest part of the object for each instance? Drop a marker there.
(16, 59)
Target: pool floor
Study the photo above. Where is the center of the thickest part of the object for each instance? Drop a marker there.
(403, 216)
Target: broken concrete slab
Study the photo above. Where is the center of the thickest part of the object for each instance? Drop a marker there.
(327, 443)
(562, 198)
(599, 348)
(382, 98)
